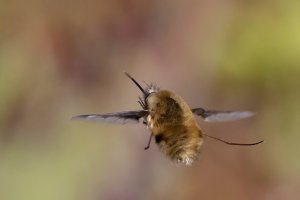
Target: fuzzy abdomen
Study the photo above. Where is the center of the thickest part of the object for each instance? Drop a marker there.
(180, 144)
(174, 127)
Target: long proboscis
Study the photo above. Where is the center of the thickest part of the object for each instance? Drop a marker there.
(234, 143)
(136, 83)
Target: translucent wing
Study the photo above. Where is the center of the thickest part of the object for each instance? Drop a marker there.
(221, 116)
(118, 117)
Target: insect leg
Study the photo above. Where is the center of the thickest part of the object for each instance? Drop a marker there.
(142, 103)
(149, 142)
(233, 143)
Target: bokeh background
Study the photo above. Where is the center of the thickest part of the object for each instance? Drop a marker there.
(63, 58)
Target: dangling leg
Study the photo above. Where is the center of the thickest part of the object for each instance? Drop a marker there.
(234, 143)
(149, 142)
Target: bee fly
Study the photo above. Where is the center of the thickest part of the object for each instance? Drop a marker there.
(171, 122)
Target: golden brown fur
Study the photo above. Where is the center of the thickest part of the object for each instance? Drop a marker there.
(174, 127)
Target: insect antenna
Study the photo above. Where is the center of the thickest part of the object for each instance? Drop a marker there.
(137, 84)
(233, 143)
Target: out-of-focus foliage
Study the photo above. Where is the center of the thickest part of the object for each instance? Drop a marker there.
(62, 58)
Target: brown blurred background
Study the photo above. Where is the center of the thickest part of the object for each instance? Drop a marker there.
(63, 58)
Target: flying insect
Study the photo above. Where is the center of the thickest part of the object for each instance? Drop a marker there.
(171, 122)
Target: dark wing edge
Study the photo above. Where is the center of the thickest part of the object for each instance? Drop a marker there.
(117, 117)
(221, 116)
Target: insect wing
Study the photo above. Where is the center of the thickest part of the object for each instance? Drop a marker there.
(117, 117)
(221, 116)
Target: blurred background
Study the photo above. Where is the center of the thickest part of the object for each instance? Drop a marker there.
(63, 58)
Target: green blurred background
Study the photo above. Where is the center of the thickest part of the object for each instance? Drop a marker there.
(63, 58)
